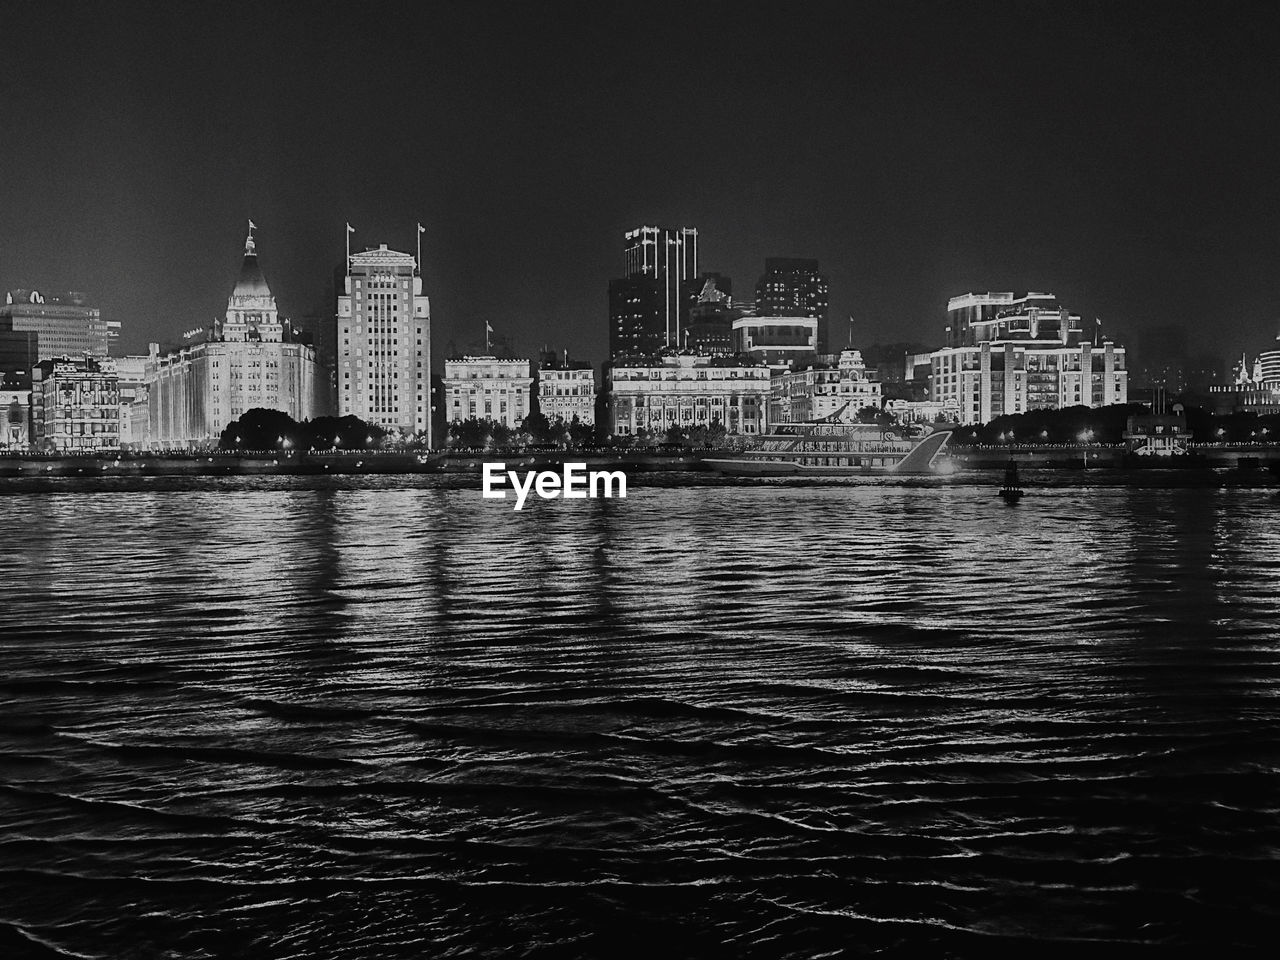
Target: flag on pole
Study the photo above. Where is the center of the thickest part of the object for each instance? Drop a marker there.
(252, 225)
(350, 228)
(421, 228)
(488, 328)
(1098, 321)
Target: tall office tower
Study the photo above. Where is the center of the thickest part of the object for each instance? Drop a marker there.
(649, 305)
(35, 327)
(384, 343)
(793, 287)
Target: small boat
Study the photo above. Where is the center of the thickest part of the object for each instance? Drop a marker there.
(1011, 492)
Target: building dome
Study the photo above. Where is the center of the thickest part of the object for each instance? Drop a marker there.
(251, 282)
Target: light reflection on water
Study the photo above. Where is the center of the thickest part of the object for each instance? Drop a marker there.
(387, 718)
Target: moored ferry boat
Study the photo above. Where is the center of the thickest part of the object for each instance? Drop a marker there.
(833, 448)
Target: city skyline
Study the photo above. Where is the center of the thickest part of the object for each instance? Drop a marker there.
(1125, 171)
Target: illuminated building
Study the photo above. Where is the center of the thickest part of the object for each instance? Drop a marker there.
(566, 389)
(132, 378)
(711, 315)
(15, 418)
(1007, 355)
(384, 343)
(35, 327)
(790, 342)
(794, 287)
(685, 390)
(247, 359)
(822, 391)
(488, 388)
(649, 305)
(75, 405)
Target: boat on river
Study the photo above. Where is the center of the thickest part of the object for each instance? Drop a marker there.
(832, 447)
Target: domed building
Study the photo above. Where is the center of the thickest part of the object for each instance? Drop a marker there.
(248, 358)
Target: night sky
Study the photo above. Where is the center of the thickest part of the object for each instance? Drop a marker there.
(1124, 156)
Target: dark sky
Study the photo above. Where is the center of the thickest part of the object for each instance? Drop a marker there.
(1125, 156)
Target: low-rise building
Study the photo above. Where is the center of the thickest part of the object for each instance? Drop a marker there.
(1160, 433)
(566, 389)
(989, 380)
(923, 411)
(15, 418)
(488, 388)
(1008, 355)
(132, 373)
(685, 390)
(75, 405)
(818, 392)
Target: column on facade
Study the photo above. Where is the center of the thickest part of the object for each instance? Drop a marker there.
(984, 383)
(1108, 374)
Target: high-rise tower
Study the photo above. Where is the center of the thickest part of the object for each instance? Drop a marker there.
(793, 287)
(649, 305)
(384, 343)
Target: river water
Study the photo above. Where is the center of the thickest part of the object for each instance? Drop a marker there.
(387, 718)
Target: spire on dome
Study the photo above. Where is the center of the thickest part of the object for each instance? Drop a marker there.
(251, 282)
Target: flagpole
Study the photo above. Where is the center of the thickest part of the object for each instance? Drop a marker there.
(349, 232)
(420, 229)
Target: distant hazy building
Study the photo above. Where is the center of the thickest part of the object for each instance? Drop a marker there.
(35, 327)
(793, 287)
(488, 388)
(566, 389)
(1009, 355)
(818, 392)
(1269, 367)
(649, 305)
(384, 343)
(75, 405)
(247, 359)
(779, 341)
(686, 390)
(1255, 387)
